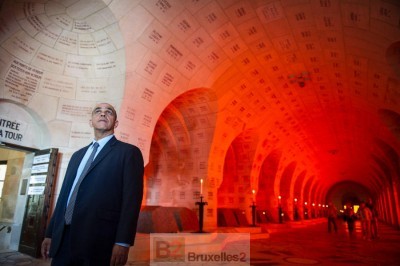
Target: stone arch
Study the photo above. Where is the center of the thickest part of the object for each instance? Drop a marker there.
(298, 194)
(347, 191)
(226, 191)
(306, 196)
(285, 185)
(298, 185)
(286, 179)
(266, 199)
(179, 151)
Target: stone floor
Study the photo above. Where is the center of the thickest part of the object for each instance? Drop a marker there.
(286, 244)
(315, 246)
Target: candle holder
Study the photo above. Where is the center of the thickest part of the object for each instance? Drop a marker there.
(296, 213)
(280, 211)
(253, 213)
(306, 213)
(296, 216)
(201, 204)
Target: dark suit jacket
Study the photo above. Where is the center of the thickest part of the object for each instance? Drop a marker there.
(108, 202)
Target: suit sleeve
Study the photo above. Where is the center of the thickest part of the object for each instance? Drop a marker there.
(132, 194)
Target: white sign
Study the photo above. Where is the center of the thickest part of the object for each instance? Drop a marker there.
(45, 158)
(36, 190)
(38, 179)
(40, 168)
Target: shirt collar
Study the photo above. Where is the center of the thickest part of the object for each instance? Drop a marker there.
(102, 142)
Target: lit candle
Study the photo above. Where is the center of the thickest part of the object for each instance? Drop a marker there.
(254, 192)
(279, 199)
(295, 200)
(201, 187)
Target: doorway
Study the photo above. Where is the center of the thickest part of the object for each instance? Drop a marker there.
(15, 165)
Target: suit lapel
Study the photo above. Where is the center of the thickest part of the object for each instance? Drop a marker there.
(105, 151)
(74, 166)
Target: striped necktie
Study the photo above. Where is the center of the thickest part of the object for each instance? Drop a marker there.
(70, 207)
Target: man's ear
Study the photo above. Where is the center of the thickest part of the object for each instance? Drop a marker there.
(90, 123)
(116, 124)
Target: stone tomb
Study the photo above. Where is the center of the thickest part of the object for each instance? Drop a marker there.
(158, 219)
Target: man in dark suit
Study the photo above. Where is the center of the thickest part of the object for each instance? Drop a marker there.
(94, 221)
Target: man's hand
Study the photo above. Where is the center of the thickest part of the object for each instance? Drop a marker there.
(46, 248)
(119, 255)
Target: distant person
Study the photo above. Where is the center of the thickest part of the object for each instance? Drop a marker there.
(350, 218)
(332, 215)
(94, 221)
(374, 220)
(365, 215)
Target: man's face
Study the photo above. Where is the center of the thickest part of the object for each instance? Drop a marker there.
(104, 118)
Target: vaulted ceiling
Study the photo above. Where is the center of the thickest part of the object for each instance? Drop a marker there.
(315, 81)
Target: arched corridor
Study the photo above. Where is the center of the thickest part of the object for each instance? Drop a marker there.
(267, 110)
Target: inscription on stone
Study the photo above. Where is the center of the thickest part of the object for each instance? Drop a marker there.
(63, 21)
(67, 42)
(167, 79)
(50, 59)
(22, 81)
(174, 52)
(147, 94)
(155, 36)
(130, 113)
(82, 26)
(58, 86)
(270, 12)
(163, 5)
(146, 120)
(80, 111)
(72, 110)
(150, 67)
(36, 23)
